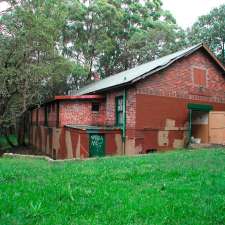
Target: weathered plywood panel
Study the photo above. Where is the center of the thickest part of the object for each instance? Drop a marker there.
(217, 127)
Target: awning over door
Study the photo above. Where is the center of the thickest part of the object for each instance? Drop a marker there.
(200, 107)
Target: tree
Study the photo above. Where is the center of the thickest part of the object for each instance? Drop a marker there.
(210, 30)
(109, 36)
(30, 62)
(50, 47)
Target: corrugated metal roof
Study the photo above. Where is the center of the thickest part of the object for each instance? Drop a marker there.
(136, 73)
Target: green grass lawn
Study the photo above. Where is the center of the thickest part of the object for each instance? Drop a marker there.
(182, 187)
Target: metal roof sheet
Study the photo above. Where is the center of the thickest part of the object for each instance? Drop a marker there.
(136, 73)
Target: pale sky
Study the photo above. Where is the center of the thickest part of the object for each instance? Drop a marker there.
(186, 12)
(3, 5)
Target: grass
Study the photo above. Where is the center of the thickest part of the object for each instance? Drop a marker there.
(182, 187)
(5, 145)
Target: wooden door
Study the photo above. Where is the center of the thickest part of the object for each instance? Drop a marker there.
(217, 127)
(97, 145)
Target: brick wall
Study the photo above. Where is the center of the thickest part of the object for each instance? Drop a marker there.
(52, 114)
(130, 107)
(80, 113)
(111, 106)
(164, 115)
(156, 107)
(178, 80)
(41, 116)
(162, 99)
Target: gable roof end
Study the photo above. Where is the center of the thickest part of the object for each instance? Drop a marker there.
(142, 71)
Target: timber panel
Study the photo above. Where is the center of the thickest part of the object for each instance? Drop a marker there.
(217, 127)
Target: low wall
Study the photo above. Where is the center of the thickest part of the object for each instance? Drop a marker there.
(68, 143)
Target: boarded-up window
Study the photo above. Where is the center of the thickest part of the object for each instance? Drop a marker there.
(199, 77)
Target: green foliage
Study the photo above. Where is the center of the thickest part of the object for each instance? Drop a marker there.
(29, 59)
(210, 29)
(183, 187)
(110, 36)
(50, 47)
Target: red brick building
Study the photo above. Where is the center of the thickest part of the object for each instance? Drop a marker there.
(155, 106)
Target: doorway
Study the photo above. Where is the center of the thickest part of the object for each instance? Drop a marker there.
(199, 123)
(96, 145)
(200, 126)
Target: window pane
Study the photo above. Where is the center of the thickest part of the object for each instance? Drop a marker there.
(120, 118)
(120, 104)
(119, 110)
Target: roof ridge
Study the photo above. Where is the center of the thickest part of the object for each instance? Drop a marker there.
(135, 73)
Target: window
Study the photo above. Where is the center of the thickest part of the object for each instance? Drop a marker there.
(95, 107)
(199, 77)
(119, 111)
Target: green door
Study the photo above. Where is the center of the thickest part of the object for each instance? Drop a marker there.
(97, 145)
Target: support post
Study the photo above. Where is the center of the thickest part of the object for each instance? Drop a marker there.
(46, 115)
(190, 126)
(37, 116)
(124, 120)
(57, 114)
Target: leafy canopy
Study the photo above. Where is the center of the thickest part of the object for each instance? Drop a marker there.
(210, 29)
